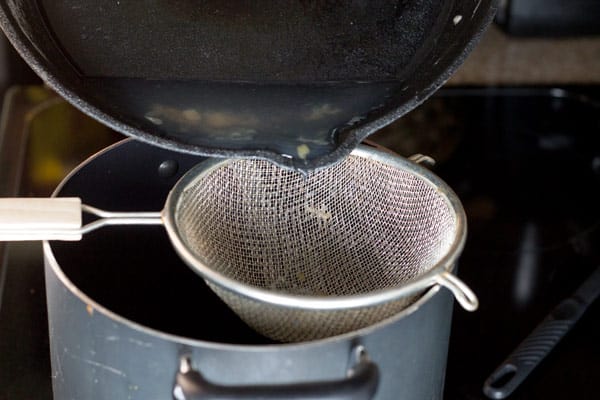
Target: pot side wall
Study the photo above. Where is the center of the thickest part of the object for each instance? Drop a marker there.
(97, 356)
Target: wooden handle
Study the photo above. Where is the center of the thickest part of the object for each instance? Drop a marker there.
(40, 219)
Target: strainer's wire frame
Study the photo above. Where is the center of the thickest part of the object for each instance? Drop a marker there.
(440, 274)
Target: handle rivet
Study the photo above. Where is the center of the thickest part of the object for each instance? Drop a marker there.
(168, 168)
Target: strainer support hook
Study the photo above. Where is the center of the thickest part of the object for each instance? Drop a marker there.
(463, 294)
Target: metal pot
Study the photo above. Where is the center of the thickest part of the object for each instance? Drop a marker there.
(128, 320)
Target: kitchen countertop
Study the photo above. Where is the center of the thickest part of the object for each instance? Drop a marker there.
(500, 59)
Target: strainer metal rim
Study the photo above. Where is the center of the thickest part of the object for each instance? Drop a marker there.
(435, 276)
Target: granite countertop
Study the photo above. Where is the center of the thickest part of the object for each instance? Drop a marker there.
(500, 59)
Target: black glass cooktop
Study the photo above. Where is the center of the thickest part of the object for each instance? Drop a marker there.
(525, 163)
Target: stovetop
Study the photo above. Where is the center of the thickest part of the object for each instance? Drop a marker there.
(524, 161)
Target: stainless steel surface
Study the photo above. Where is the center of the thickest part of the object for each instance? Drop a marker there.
(303, 257)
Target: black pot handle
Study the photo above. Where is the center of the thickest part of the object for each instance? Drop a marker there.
(360, 384)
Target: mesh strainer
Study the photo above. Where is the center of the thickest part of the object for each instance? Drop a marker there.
(302, 257)
(296, 256)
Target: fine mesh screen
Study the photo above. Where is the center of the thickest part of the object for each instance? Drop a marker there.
(357, 227)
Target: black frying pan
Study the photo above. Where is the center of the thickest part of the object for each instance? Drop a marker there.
(298, 82)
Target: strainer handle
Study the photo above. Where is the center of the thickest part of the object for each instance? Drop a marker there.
(360, 384)
(59, 218)
(462, 293)
(40, 219)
